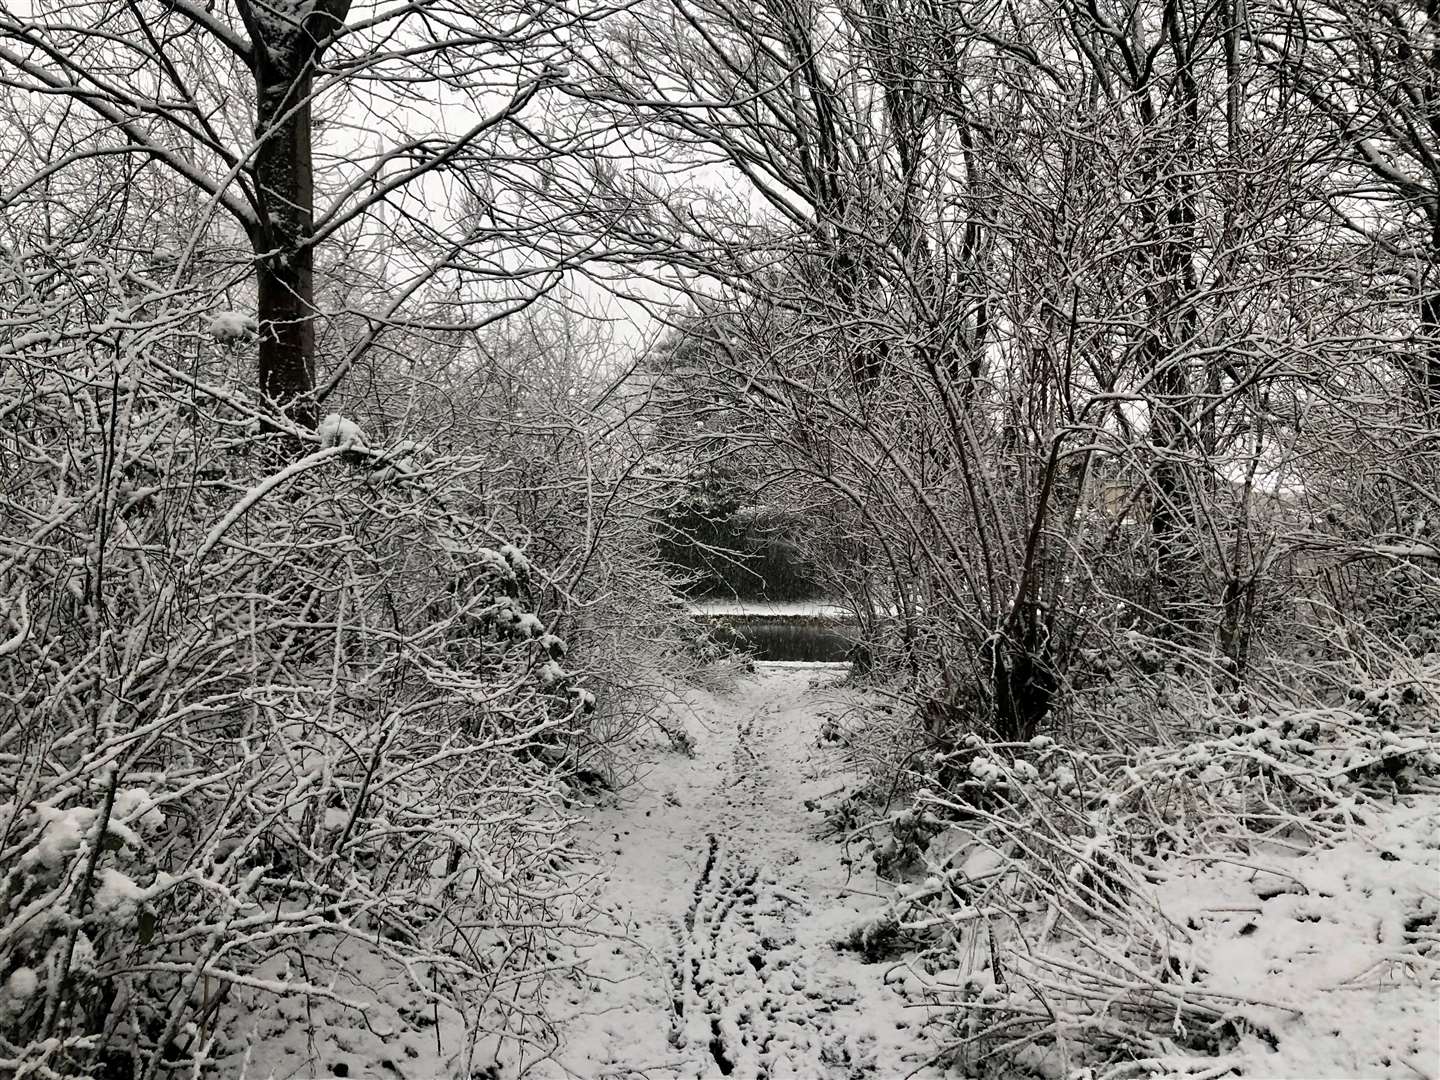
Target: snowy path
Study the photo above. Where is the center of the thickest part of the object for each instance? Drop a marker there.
(728, 901)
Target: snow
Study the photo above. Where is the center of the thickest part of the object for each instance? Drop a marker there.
(743, 945)
(62, 832)
(1339, 938)
(117, 897)
(385, 1030)
(516, 558)
(490, 562)
(1409, 551)
(20, 987)
(737, 940)
(527, 625)
(82, 957)
(727, 902)
(136, 808)
(335, 430)
(806, 665)
(770, 608)
(229, 326)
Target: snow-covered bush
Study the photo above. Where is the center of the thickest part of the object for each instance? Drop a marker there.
(1163, 894)
(283, 735)
(564, 473)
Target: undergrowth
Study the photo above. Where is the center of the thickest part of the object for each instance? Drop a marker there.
(1050, 897)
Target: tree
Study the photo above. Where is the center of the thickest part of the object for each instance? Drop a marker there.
(1369, 76)
(1004, 259)
(415, 99)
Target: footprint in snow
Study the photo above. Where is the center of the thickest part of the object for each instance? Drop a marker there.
(745, 1001)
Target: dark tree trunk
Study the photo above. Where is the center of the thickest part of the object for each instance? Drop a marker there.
(1174, 325)
(283, 58)
(1237, 608)
(285, 260)
(1171, 505)
(1021, 681)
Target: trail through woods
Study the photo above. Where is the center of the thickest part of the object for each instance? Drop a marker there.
(727, 891)
(727, 898)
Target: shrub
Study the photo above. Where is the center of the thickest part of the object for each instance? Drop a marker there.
(1068, 909)
(284, 729)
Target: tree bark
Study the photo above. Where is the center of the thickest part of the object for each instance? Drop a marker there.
(283, 57)
(284, 258)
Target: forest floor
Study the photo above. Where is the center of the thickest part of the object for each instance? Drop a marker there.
(727, 895)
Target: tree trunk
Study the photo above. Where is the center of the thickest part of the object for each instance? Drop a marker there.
(1021, 680)
(1172, 314)
(284, 258)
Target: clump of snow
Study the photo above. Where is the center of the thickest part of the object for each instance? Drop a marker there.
(134, 806)
(502, 612)
(336, 430)
(492, 564)
(61, 833)
(20, 987)
(516, 558)
(527, 626)
(986, 770)
(229, 326)
(335, 819)
(117, 897)
(82, 957)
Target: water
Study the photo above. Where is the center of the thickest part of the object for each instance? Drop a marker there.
(816, 640)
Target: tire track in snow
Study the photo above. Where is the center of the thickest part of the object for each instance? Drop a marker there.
(741, 986)
(742, 990)
(728, 904)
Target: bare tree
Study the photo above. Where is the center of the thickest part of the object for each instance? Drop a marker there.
(1006, 260)
(1369, 75)
(416, 102)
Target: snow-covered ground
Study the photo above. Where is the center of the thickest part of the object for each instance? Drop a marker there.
(1329, 950)
(726, 899)
(770, 608)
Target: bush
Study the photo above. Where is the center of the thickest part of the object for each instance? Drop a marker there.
(1068, 909)
(276, 720)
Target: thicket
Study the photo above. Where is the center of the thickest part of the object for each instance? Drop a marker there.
(324, 586)
(1090, 353)
(283, 725)
(1094, 349)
